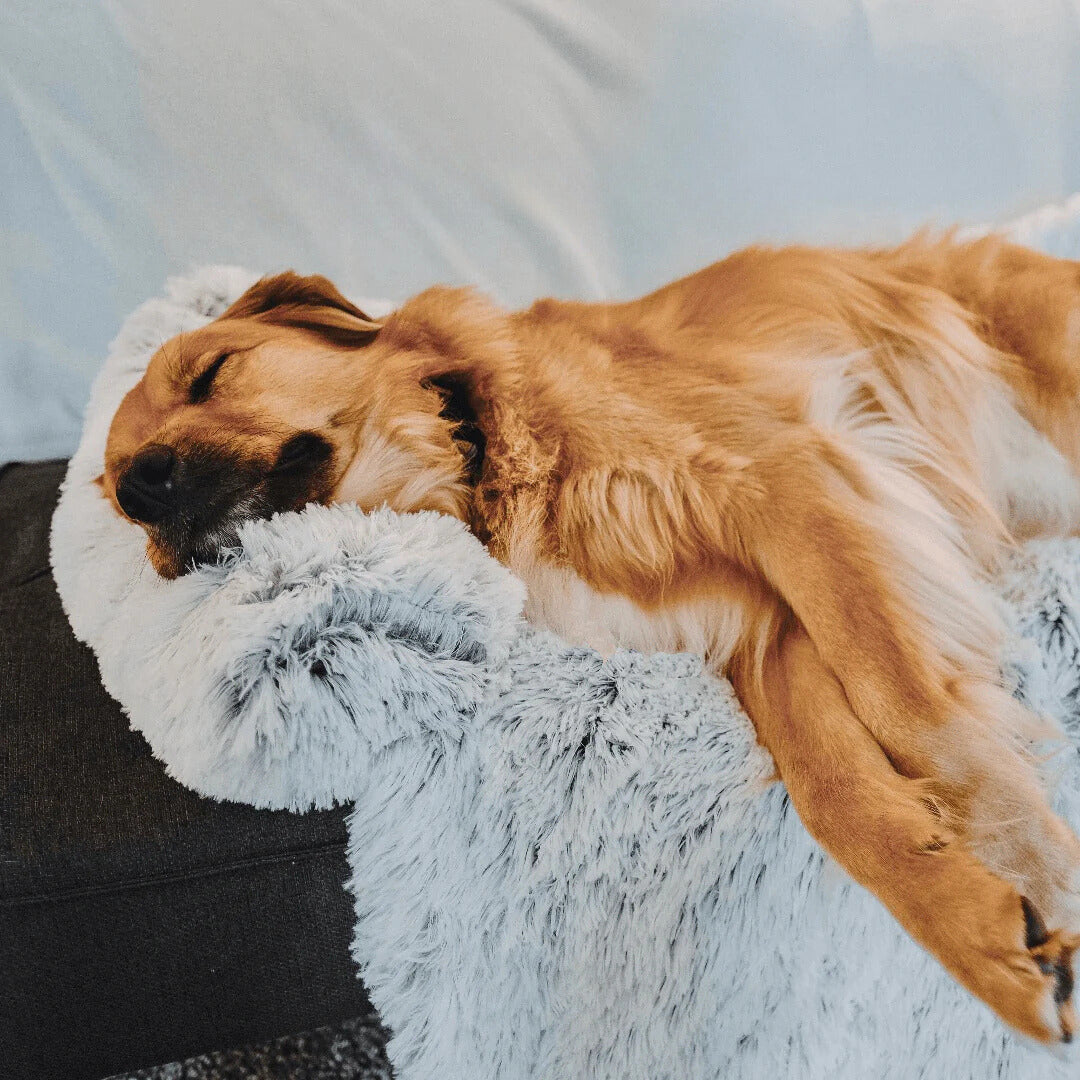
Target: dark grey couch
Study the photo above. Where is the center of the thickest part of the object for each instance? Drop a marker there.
(138, 923)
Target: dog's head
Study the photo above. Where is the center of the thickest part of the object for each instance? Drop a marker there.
(292, 396)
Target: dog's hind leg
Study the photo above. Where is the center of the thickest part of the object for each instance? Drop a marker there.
(890, 834)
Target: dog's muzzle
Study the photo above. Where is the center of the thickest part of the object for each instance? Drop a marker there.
(192, 502)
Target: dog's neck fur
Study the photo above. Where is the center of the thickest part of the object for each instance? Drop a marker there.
(488, 358)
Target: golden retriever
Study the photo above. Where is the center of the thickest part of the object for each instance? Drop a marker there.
(799, 462)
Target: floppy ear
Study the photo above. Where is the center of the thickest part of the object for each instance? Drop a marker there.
(308, 303)
(459, 408)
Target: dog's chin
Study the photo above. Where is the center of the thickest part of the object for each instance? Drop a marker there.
(172, 560)
(164, 560)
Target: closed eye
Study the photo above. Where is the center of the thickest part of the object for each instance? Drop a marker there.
(204, 383)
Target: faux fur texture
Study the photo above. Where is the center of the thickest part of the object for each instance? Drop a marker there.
(565, 866)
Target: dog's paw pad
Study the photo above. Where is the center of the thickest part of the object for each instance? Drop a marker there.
(1052, 952)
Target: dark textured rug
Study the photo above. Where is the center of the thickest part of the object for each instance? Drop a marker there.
(349, 1051)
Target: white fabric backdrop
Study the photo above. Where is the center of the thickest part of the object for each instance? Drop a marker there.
(590, 148)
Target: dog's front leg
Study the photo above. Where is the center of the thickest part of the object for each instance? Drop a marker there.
(888, 832)
(890, 615)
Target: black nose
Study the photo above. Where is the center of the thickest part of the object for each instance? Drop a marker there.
(146, 490)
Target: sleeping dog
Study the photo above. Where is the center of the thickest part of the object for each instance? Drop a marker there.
(801, 463)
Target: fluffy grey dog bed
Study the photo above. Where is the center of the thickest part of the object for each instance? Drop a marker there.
(565, 866)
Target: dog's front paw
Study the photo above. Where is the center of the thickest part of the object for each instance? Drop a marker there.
(997, 944)
(1026, 972)
(1052, 953)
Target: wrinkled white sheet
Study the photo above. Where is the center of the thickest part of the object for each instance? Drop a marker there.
(590, 148)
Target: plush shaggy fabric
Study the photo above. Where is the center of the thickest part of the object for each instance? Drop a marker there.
(565, 866)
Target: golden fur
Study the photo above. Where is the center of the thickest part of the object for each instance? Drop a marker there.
(799, 462)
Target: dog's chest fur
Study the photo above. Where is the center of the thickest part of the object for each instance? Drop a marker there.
(561, 601)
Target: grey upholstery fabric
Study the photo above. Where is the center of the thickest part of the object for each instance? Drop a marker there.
(139, 923)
